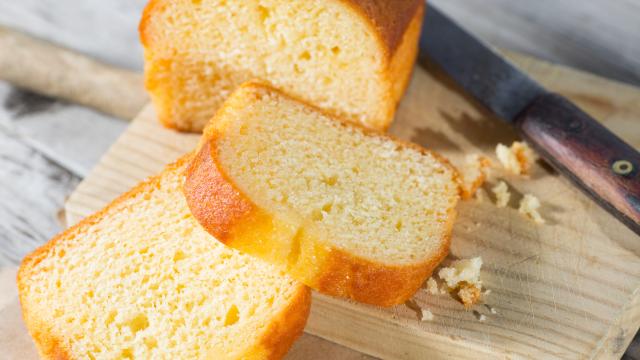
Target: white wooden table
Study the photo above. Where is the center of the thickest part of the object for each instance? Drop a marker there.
(47, 146)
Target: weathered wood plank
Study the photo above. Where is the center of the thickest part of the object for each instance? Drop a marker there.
(32, 191)
(71, 135)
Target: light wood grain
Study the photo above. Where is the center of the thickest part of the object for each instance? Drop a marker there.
(564, 290)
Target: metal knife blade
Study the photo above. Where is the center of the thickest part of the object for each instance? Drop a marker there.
(578, 146)
(491, 79)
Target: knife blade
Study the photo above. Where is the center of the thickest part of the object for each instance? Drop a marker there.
(578, 146)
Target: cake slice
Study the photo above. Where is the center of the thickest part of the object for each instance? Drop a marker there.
(142, 280)
(347, 211)
(350, 57)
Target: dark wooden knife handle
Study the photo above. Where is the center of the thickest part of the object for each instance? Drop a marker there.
(594, 158)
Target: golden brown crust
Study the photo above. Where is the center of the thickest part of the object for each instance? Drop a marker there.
(374, 283)
(48, 345)
(402, 61)
(329, 270)
(221, 209)
(390, 18)
(153, 7)
(160, 93)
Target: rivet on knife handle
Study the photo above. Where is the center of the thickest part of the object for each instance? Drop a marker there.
(593, 157)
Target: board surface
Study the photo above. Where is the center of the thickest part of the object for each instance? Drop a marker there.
(566, 289)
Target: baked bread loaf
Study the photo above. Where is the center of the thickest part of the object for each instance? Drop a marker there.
(142, 280)
(345, 210)
(350, 57)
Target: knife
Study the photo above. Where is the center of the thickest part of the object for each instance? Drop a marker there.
(578, 146)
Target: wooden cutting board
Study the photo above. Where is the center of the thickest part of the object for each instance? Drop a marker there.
(567, 289)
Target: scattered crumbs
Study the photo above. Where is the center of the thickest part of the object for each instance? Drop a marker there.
(426, 315)
(464, 270)
(529, 206)
(462, 277)
(432, 286)
(474, 173)
(482, 318)
(516, 159)
(486, 292)
(481, 195)
(501, 190)
(469, 294)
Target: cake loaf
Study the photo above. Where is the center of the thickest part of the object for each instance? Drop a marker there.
(352, 58)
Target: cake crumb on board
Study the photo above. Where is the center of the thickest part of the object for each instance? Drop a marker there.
(432, 286)
(427, 315)
(469, 294)
(462, 278)
(501, 191)
(529, 206)
(516, 159)
(474, 174)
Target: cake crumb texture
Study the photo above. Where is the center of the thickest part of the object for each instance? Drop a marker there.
(462, 278)
(142, 280)
(501, 191)
(474, 174)
(529, 206)
(516, 159)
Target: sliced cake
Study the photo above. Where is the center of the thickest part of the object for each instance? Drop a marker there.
(142, 280)
(347, 211)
